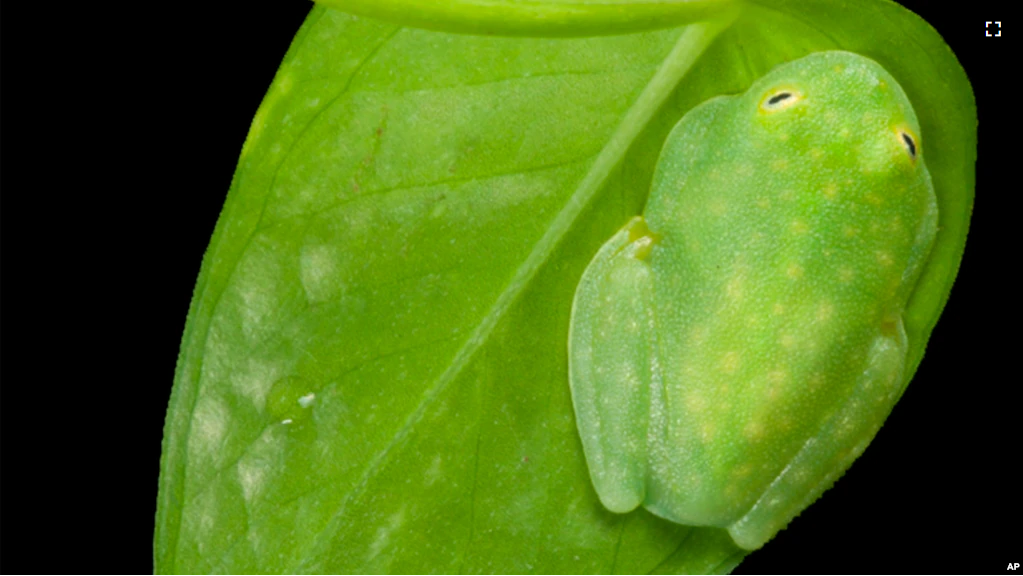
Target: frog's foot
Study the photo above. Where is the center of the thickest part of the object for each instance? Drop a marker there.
(612, 364)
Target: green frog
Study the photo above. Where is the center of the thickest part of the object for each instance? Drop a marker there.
(735, 348)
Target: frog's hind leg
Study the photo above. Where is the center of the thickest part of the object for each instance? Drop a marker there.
(840, 440)
(613, 365)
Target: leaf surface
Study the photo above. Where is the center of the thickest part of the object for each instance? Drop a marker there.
(537, 17)
(373, 375)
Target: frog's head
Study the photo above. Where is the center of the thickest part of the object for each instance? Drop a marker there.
(841, 111)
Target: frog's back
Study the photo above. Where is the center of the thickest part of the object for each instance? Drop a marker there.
(794, 219)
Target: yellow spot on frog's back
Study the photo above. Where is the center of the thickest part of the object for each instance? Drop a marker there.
(787, 340)
(824, 311)
(754, 430)
(794, 271)
(783, 136)
(783, 425)
(734, 287)
(707, 431)
(884, 258)
(693, 245)
(799, 227)
(850, 231)
(779, 164)
(698, 335)
(717, 206)
(696, 402)
(815, 381)
(763, 203)
(730, 362)
(816, 153)
(740, 472)
(776, 381)
(874, 199)
(846, 274)
(830, 190)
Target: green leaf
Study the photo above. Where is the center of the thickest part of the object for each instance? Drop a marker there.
(373, 375)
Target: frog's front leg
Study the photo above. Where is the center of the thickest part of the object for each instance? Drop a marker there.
(614, 367)
(840, 440)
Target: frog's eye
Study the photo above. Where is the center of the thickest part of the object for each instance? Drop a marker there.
(779, 99)
(908, 142)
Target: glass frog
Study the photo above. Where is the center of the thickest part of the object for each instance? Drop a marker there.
(737, 346)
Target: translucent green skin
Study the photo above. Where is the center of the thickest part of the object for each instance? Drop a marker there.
(734, 350)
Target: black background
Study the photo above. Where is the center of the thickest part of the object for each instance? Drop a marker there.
(127, 128)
